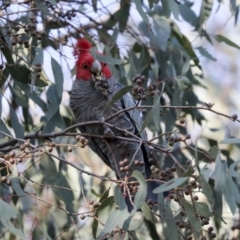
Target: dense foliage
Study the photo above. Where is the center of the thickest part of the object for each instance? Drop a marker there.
(52, 186)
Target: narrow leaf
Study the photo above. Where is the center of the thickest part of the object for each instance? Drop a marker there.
(155, 110)
(202, 209)
(142, 190)
(7, 213)
(221, 38)
(206, 54)
(206, 189)
(228, 193)
(118, 95)
(140, 11)
(220, 173)
(191, 214)
(58, 76)
(53, 101)
(118, 196)
(171, 184)
(230, 141)
(17, 126)
(42, 7)
(25, 199)
(169, 219)
(105, 58)
(38, 59)
(148, 214)
(183, 83)
(116, 218)
(232, 171)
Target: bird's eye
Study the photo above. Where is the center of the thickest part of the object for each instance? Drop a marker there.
(104, 64)
(85, 66)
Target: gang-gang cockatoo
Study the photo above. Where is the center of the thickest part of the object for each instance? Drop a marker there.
(93, 88)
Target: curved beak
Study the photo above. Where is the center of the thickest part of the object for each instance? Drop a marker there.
(96, 70)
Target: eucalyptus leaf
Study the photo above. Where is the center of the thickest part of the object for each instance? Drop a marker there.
(25, 199)
(202, 209)
(140, 11)
(171, 184)
(154, 111)
(206, 54)
(58, 76)
(183, 83)
(230, 141)
(38, 59)
(191, 214)
(142, 191)
(118, 95)
(169, 219)
(7, 213)
(232, 172)
(221, 38)
(206, 189)
(17, 126)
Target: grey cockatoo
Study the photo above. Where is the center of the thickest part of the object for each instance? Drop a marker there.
(93, 88)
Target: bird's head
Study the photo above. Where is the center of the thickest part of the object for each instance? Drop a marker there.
(87, 67)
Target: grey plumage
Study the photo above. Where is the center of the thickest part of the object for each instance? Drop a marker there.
(88, 104)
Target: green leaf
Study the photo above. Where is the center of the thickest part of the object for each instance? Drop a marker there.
(20, 73)
(140, 11)
(118, 196)
(232, 172)
(104, 58)
(0, 103)
(142, 190)
(18, 94)
(148, 214)
(171, 184)
(104, 195)
(36, 99)
(3, 128)
(7, 213)
(155, 69)
(205, 171)
(205, 11)
(228, 192)
(53, 2)
(206, 189)
(221, 38)
(191, 214)
(134, 222)
(154, 111)
(53, 101)
(17, 126)
(42, 7)
(102, 213)
(58, 76)
(174, 8)
(183, 83)
(230, 141)
(206, 54)
(38, 59)
(156, 117)
(188, 14)
(169, 219)
(25, 199)
(202, 209)
(213, 151)
(118, 95)
(161, 203)
(163, 30)
(220, 173)
(116, 218)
